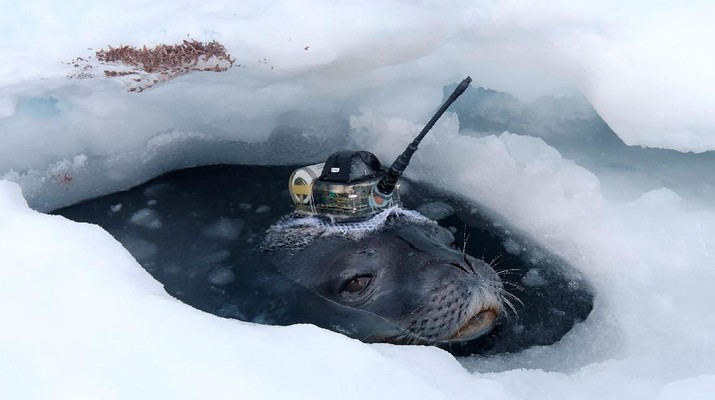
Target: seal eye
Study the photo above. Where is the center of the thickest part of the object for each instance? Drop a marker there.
(356, 284)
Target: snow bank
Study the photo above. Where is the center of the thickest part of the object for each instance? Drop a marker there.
(81, 319)
(646, 69)
(650, 260)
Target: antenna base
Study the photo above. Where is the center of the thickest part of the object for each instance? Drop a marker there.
(379, 200)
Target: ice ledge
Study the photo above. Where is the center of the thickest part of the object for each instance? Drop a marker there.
(11, 198)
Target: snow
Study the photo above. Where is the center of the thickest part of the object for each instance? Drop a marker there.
(82, 319)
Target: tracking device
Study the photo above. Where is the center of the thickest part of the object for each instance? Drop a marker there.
(352, 185)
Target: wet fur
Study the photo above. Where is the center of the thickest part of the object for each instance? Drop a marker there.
(419, 281)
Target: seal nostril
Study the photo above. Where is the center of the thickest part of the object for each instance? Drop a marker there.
(462, 267)
(469, 264)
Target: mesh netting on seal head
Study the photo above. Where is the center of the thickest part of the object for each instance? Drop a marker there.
(297, 231)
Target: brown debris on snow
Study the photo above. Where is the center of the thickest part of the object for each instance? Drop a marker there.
(142, 68)
(170, 59)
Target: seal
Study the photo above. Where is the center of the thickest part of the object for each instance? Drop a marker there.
(399, 267)
(199, 232)
(349, 242)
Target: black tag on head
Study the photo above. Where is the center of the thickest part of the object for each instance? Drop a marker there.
(350, 166)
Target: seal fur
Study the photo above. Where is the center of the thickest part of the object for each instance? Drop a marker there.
(399, 266)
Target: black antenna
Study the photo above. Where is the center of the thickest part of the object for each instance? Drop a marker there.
(388, 182)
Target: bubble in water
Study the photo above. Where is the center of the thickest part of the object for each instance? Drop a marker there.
(224, 228)
(533, 278)
(139, 248)
(156, 189)
(146, 218)
(512, 246)
(221, 276)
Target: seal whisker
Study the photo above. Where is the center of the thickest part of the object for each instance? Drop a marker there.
(416, 310)
(416, 339)
(408, 337)
(413, 337)
(515, 286)
(505, 313)
(465, 239)
(496, 262)
(404, 337)
(510, 306)
(496, 258)
(511, 271)
(513, 296)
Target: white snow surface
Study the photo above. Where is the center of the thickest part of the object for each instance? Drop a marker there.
(81, 319)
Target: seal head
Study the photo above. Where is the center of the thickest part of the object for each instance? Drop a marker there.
(398, 266)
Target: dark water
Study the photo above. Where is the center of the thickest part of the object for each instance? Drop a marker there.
(196, 231)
